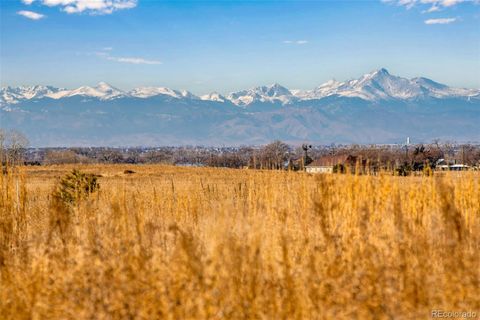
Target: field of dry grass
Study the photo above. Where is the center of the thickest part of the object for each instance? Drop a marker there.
(199, 243)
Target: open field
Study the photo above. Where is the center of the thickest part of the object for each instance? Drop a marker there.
(199, 243)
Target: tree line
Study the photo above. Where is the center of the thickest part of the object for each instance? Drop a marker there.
(276, 155)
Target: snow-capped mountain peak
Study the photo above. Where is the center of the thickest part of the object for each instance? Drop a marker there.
(188, 95)
(272, 93)
(102, 91)
(107, 88)
(276, 90)
(214, 96)
(147, 92)
(382, 72)
(381, 85)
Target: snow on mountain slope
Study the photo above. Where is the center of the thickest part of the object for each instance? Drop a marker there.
(214, 96)
(273, 93)
(381, 85)
(188, 95)
(439, 90)
(328, 88)
(103, 91)
(147, 92)
(9, 95)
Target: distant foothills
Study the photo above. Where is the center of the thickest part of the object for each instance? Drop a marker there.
(376, 108)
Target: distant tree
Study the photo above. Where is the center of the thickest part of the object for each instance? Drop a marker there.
(275, 154)
(468, 154)
(13, 147)
(61, 157)
(228, 160)
(449, 150)
(110, 156)
(157, 157)
(423, 157)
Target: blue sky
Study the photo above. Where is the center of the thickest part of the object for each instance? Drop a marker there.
(230, 45)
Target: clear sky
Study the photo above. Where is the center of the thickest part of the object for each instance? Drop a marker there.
(231, 45)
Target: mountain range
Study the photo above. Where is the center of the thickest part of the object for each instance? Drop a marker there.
(376, 108)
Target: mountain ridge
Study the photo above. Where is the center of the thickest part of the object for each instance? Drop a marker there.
(373, 86)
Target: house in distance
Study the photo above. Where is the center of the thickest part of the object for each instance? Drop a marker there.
(333, 163)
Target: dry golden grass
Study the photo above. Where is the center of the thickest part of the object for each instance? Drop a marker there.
(198, 243)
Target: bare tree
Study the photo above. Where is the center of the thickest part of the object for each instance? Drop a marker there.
(61, 157)
(468, 154)
(14, 144)
(274, 155)
(18, 144)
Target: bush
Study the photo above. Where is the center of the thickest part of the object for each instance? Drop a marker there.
(404, 170)
(76, 186)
